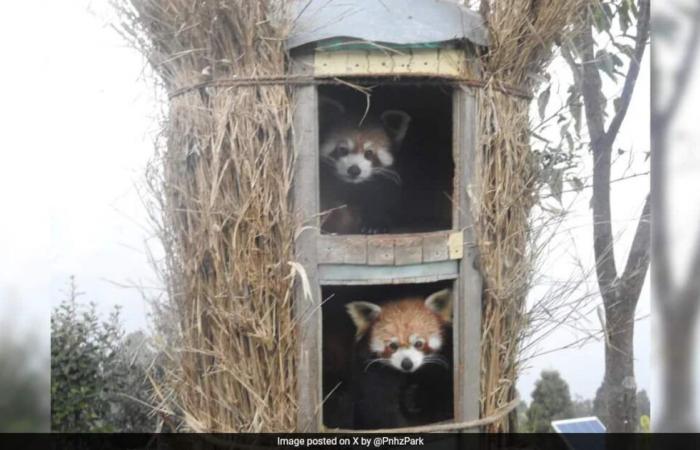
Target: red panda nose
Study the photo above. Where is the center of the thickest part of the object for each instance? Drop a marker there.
(406, 364)
(354, 171)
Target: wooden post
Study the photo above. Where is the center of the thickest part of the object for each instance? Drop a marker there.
(306, 206)
(467, 312)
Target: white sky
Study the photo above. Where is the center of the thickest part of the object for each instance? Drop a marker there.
(78, 123)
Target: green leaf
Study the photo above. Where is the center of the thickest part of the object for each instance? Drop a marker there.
(624, 16)
(576, 184)
(606, 63)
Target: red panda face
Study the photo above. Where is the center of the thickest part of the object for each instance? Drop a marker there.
(358, 154)
(404, 334)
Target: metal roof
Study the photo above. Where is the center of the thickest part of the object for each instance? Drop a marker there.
(387, 21)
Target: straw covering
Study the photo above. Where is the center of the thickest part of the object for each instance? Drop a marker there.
(227, 221)
(522, 35)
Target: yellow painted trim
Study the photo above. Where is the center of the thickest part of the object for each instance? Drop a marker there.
(423, 62)
(455, 245)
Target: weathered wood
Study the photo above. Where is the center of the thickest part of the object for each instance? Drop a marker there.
(307, 305)
(355, 249)
(455, 245)
(380, 250)
(408, 250)
(398, 249)
(445, 62)
(435, 247)
(467, 308)
(362, 274)
(328, 250)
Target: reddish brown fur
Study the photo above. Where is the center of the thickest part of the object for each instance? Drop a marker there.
(404, 318)
(376, 135)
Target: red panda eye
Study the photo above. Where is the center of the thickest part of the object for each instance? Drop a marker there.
(393, 346)
(418, 344)
(369, 154)
(342, 151)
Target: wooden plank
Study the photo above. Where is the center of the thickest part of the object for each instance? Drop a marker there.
(446, 62)
(356, 62)
(401, 62)
(408, 250)
(400, 249)
(451, 62)
(360, 274)
(455, 245)
(354, 248)
(327, 250)
(329, 63)
(435, 247)
(380, 63)
(424, 61)
(467, 308)
(307, 305)
(380, 250)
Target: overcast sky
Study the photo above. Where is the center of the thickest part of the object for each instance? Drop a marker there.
(79, 120)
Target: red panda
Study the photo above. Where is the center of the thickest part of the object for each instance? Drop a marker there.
(402, 375)
(357, 169)
(404, 334)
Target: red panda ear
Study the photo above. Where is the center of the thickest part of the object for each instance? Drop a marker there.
(330, 113)
(396, 124)
(328, 105)
(362, 315)
(441, 304)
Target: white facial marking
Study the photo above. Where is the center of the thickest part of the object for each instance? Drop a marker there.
(368, 145)
(385, 157)
(330, 144)
(376, 346)
(435, 342)
(346, 162)
(413, 355)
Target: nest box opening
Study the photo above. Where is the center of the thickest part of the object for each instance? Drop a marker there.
(386, 158)
(387, 355)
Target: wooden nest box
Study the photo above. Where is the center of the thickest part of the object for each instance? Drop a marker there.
(372, 57)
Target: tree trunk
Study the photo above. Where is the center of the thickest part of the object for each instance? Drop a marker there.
(620, 386)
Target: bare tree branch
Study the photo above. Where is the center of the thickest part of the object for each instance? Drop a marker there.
(632, 72)
(640, 254)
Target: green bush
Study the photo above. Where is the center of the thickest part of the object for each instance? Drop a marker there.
(96, 381)
(550, 401)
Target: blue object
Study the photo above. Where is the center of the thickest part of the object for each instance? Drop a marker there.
(579, 425)
(583, 433)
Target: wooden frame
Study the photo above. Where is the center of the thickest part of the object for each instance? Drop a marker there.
(307, 305)
(385, 259)
(467, 313)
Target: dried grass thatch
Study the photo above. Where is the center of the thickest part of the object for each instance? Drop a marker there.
(228, 226)
(228, 223)
(522, 34)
